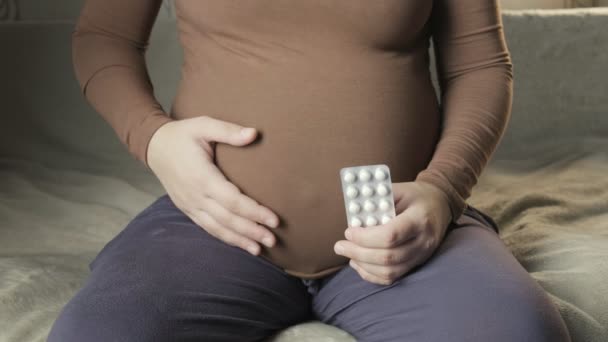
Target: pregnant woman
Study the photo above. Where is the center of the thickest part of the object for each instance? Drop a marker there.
(275, 97)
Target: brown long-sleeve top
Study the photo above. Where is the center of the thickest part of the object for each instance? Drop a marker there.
(328, 84)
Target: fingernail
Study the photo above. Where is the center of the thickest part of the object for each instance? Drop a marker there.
(348, 234)
(253, 249)
(271, 222)
(267, 241)
(338, 248)
(246, 131)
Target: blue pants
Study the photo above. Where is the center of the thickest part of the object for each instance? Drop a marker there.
(163, 278)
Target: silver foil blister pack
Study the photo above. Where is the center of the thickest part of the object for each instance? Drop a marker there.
(368, 195)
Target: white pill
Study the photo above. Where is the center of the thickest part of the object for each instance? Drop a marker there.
(379, 174)
(369, 206)
(367, 190)
(385, 219)
(349, 177)
(371, 221)
(354, 207)
(364, 175)
(351, 191)
(384, 205)
(382, 189)
(355, 222)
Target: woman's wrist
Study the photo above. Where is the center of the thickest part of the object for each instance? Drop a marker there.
(153, 142)
(447, 212)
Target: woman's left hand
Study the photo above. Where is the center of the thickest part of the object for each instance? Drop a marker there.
(383, 253)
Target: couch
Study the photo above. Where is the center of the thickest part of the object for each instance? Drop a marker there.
(67, 186)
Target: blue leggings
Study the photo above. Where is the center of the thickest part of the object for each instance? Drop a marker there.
(163, 278)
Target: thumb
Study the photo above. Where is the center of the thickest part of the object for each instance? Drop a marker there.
(215, 130)
(403, 194)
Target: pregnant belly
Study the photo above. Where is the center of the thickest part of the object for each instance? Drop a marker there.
(293, 169)
(307, 133)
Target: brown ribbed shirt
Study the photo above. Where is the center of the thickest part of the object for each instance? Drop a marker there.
(328, 84)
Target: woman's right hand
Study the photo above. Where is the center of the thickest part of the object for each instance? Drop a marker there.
(181, 154)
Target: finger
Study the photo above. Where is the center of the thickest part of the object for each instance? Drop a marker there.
(223, 234)
(402, 196)
(419, 253)
(426, 246)
(368, 276)
(212, 129)
(236, 223)
(386, 273)
(216, 186)
(231, 198)
(396, 232)
(377, 256)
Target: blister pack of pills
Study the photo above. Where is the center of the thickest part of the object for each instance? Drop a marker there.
(368, 195)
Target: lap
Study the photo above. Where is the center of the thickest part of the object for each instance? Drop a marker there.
(165, 278)
(471, 289)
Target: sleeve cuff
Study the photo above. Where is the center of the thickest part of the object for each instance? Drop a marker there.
(456, 202)
(138, 143)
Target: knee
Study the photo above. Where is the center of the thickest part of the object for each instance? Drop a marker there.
(499, 312)
(526, 313)
(102, 312)
(493, 298)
